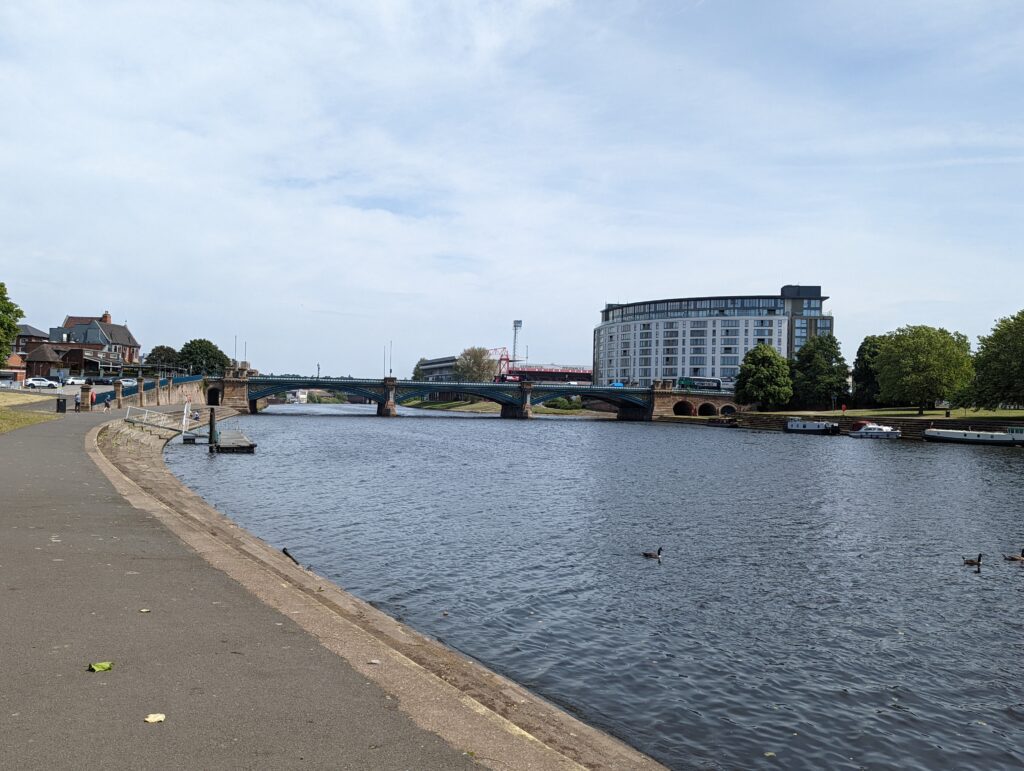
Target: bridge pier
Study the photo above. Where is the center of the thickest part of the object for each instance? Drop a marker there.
(633, 412)
(523, 410)
(387, 408)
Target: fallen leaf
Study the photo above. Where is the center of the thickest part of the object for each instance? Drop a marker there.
(144, 610)
(373, 661)
(101, 666)
(769, 754)
(156, 717)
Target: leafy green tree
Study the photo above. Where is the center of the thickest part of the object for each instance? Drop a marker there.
(1000, 364)
(920, 365)
(162, 356)
(10, 315)
(764, 378)
(865, 375)
(202, 356)
(819, 373)
(417, 371)
(475, 365)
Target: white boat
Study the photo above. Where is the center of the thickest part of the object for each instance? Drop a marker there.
(1014, 435)
(801, 426)
(863, 429)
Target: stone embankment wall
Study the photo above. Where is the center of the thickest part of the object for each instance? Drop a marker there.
(171, 393)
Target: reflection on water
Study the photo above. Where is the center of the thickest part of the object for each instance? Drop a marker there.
(811, 601)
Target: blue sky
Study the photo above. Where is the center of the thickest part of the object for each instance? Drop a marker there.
(320, 178)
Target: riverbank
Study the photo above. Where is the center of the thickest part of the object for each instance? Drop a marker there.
(254, 661)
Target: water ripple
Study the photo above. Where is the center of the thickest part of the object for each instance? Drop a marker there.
(811, 602)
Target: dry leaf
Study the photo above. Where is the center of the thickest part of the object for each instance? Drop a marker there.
(156, 717)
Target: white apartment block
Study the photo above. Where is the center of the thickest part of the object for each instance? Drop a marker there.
(637, 343)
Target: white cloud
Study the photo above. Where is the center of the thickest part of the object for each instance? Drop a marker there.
(320, 178)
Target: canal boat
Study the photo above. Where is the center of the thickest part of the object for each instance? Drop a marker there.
(801, 426)
(865, 429)
(1014, 435)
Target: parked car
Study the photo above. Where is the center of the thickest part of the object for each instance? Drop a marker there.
(99, 380)
(127, 381)
(75, 380)
(41, 382)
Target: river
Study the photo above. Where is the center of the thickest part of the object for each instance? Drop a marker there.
(811, 608)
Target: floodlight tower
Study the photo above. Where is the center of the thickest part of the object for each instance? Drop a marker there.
(516, 326)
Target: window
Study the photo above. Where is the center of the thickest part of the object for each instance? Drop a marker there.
(670, 361)
(698, 325)
(698, 333)
(669, 325)
(698, 360)
(645, 326)
(730, 360)
(671, 333)
(698, 349)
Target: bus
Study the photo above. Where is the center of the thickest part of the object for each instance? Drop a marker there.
(705, 383)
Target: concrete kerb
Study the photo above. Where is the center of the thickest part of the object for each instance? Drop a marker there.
(441, 690)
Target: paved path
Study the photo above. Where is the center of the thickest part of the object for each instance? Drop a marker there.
(241, 683)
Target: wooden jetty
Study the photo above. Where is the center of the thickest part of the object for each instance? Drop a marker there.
(232, 442)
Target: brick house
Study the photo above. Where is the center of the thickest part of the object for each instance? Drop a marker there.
(115, 339)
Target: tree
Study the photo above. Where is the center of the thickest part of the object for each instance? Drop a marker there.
(417, 371)
(10, 315)
(819, 373)
(162, 356)
(475, 365)
(921, 365)
(865, 374)
(764, 378)
(1000, 364)
(203, 357)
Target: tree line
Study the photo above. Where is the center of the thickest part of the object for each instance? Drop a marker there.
(913, 365)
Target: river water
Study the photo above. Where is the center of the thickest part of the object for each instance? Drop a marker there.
(811, 609)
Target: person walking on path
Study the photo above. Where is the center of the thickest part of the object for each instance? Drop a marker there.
(106, 406)
(78, 402)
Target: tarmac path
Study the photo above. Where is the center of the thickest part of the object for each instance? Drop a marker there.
(253, 666)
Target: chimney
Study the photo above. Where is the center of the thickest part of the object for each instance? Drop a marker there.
(105, 318)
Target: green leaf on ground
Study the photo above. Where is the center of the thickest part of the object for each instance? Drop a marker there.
(101, 666)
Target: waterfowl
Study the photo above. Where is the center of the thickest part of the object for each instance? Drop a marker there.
(1014, 557)
(652, 555)
(973, 562)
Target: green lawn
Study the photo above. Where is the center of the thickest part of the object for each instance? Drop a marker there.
(911, 412)
(11, 419)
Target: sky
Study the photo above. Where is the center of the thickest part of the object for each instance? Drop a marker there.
(325, 182)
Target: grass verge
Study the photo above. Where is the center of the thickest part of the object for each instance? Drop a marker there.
(11, 419)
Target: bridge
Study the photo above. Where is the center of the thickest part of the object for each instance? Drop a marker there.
(516, 399)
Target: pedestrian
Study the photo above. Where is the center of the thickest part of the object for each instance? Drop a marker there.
(106, 406)
(78, 402)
